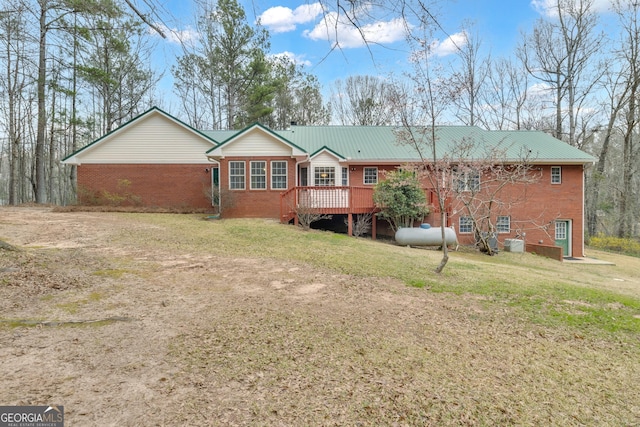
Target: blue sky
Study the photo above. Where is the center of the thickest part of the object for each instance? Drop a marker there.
(297, 29)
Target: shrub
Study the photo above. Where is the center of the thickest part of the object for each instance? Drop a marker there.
(616, 244)
(401, 199)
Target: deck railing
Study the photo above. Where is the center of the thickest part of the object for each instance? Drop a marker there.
(333, 200)
(326, 200)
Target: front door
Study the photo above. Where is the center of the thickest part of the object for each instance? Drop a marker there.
(563, 232)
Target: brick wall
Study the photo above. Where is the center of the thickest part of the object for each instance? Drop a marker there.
(534, 209)
(553, 252)
(250, 203)
(152, 185)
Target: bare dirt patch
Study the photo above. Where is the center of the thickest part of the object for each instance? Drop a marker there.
(129, 335)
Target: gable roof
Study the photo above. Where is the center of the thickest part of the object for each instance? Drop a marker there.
(364, 144)
(73, 158)
(326, 149)
(217, 152)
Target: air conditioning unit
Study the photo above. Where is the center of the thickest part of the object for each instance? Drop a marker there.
(513, 245)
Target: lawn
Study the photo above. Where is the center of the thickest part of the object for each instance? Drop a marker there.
(250, 322)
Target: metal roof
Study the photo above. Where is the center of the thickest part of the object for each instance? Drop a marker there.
(382, 144)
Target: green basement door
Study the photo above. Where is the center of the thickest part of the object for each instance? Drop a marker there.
(562, 236)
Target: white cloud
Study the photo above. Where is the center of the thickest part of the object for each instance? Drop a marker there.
(540, 90)
(339, 31)
(175, 36)
(549, 7)
(450, 45)
(296, 59)
(280, 19)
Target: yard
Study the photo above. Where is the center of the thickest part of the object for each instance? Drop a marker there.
(164, 319)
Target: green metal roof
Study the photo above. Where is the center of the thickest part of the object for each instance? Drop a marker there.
(381, 143)
(219, 135)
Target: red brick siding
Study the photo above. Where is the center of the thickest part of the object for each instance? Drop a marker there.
(356, 173)
(172, 185)
(539, 205)
(553, 252)
(249, 203)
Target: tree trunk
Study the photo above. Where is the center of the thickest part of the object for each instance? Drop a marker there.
(40, 180)
(445, 249)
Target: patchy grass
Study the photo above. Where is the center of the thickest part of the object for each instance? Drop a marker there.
(114, 273)
(249, 322)
(536, 286)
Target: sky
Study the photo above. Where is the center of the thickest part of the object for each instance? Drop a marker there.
(297, 29)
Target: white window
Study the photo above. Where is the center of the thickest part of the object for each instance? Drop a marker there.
(236, 175)
(324, 176)
(466, 225)
(467, 181)
(279, 175)
(259, 175)
(556, 175)
(345, 177)
(561, 230)
(503, 224)
(371, 176)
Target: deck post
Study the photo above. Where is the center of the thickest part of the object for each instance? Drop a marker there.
(374, 227)
(350, 224)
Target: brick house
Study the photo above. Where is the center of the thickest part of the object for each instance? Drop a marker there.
(156, 160)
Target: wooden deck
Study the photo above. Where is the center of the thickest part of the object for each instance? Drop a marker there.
(334, 201)
(326, 200)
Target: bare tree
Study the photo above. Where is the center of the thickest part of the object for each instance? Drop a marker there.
(361, 101)
(13, 84)
(418, 110)
(629, 19)
(467, 82)
(560, 53)
(506, 100)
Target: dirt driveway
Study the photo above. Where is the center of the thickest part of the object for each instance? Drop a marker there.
(129, 335)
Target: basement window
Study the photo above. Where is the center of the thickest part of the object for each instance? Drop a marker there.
(466, 225)
(503, 224)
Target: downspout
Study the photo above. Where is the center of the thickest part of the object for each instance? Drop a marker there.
(295, 184)
(219, 192)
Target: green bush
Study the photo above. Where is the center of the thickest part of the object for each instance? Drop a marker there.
(401, 199)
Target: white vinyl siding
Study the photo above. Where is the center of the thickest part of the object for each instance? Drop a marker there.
(236, 176)
(149, 140)
(256, 143)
